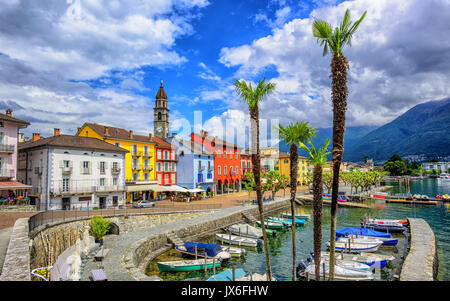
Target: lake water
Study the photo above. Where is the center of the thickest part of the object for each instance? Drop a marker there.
(280, 246)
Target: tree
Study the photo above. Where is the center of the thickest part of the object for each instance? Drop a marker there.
(318, 159)
(252, 97)
(293, 134)
(327, 179)
(395, 168)
(249, 184)
(335, 41)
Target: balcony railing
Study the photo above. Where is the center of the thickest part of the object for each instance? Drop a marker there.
(147, 155)
(115, 170)
(7, 148)
(67, 190)
(148, 168)
(136, 154)
(136, 167)
(38, 170)
(66, 170)
(9, 173)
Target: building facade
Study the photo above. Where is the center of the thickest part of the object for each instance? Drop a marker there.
(140, 160)
(72, 172)
(166, 162)
(195, 165)
(283, 166)
(227, 161)
(441, 166)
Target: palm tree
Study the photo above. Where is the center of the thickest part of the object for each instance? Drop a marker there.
(292, 134)
(252, 97)
(335, 41)
(318, 159)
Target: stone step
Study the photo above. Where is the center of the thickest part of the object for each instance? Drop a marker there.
(249, 217)
(173, 238)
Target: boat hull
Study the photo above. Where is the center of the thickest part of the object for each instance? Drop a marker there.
(195, 266)
(237, 240)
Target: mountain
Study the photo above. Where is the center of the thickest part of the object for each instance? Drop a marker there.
(423, 130)
(352, 136)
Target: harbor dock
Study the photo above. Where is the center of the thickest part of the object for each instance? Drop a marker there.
(307, 200)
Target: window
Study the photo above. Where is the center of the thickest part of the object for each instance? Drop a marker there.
(159, 116)
(146, 176)
(102, 182)
(158, 167)
(231, 155)
(102, 167)
(85, 164)
(145, 150)
(218, 153)
(209, 165)
(134, 149)
(199, 165)
(166, 155)
(66, 163)
(235, 155)
(237, 170)
(115, 165)
(218, 170)
(224, 170)
(145, 163)
(65, 185)
(224, 154)
(115, 181)
(166, 166)
(135, 176)
(135, 164)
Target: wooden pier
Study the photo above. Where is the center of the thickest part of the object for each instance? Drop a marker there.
(411, 202)
(307, 200)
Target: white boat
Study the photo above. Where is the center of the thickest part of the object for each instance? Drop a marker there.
(374, 260)
(360, 240)
(234, 252)
(354, 247)
(444, 176)
(297, 215)
(238, 240)
(340, 273)
(245, 230)
(348, 264)
(255, 277)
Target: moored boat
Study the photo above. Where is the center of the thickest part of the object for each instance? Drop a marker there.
(238, 240)
(245, 230)
(369, 239)
(286, 221)
(273, 226)
(297, 215)
(233, 251)
(340, 273)
(370, 259)
(361, 231)
(187, 265)
(203, 250)
(227, 275)
(354, 247)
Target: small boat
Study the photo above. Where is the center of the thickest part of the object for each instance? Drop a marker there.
(340, 273)
(203, 250)
(369, 239)
(354, 247)
(384, 225)
(187, 265)
(444, 176)
(245, 230)
(348, 264)
(272, 225)
(256, 277)
(234, 252)
(297, 215)
(361, 231)
(286, 221)
(238, 240)
(270, 232)
(227, 275)
(387, 221)
(370, 259)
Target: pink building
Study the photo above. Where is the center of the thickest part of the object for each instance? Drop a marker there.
(9, 129)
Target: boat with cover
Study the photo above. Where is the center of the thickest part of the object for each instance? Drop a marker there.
(369, 239)
(238, 240)
(203, 249)
(286, 221)
(340, 273)
(272, 225)
(187, 265)
(297, 215)
(227, 275)
(354, 247)
(387, 221)
(245, 230)
(373, 260)
(362, 231)
(388, 226)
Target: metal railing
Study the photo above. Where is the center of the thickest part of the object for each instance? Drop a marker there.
(85, 189)
(47, 217)
(8, 148)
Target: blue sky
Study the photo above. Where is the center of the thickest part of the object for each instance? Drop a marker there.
(63, 63)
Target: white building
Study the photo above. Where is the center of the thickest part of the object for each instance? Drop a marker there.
(442, 166)
(71, 172)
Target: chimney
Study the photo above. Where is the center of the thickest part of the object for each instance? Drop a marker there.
(150, 136)
(79, 129)
(9, 112)
(106, 131)
(57, 132)
(131, 133)
(36, 136)
(20, 137)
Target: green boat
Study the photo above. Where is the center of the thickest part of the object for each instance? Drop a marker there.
(187, 265)
(270, 225)
(269, 232)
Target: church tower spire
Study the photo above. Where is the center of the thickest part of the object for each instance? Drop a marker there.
(161, 114)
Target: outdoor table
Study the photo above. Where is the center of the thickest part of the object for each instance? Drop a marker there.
(98, 275)
(101, 254)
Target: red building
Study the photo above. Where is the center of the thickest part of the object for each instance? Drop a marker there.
(227, 162)
(246, 162)
(166, 162)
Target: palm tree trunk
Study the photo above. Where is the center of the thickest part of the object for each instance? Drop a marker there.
(317, 208)
(256, 162)
(339, 66)
(294, 171)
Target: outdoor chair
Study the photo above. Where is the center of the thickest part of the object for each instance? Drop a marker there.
(98, 275)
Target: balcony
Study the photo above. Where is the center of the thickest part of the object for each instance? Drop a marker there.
(66, 170)
(148, 168)
(85, 171)
(72, 190)
(38, 170)
(147, 155)
(7, 173)
(201, 168)
(115, 170)
(7, 148)
(136, 167)
(136, 154)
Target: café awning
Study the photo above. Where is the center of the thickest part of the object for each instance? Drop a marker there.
(148, 187)
(195, 190)
(13, 185)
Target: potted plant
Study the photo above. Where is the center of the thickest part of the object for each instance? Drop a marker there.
(99, 227)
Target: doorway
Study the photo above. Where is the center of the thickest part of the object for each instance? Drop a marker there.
(102, 202)
(65, 203)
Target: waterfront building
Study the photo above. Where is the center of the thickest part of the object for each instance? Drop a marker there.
(227, 161)
(9, 133)
(269, 158)
(166, 161)
(140, 160)
(283, 166)
(195, 166)
(246, 162)
(441, 166)
(73, 172)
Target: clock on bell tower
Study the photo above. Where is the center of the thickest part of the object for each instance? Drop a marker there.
(161, 115)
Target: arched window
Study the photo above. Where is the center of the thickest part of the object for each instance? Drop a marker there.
(159, 116)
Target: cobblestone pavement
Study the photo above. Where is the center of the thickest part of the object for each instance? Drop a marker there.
(118, 244)
(4, 241)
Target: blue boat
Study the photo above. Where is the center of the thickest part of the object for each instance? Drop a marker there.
(227, 275)
(365, 232)
(211, 250)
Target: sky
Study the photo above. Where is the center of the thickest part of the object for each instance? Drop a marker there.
(66, 62)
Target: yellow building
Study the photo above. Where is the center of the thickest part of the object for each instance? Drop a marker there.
(140, 161)
(283, 163)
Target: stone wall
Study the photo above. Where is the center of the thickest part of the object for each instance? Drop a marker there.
(17, 260)
(421, 264)
(49, 241)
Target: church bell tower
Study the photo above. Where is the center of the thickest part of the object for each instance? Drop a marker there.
(161, 115)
